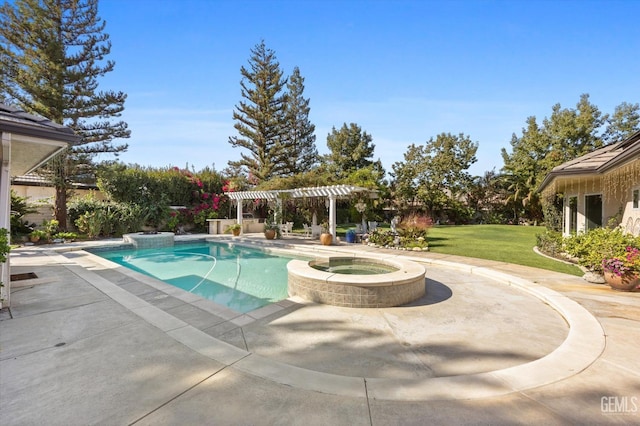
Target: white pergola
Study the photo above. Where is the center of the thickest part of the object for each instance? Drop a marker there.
(332, 193)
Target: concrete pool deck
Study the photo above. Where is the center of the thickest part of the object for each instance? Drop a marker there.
(87, 343)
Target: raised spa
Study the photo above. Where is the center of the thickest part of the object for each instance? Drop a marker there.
(357, 282)
(141, 240)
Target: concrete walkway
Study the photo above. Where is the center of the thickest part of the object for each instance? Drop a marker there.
(491, 343)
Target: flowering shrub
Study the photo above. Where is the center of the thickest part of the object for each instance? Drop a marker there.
(207, 208)
(154, 189)
(596, 245)
(623, 265)
(411, 233)
(382, 237)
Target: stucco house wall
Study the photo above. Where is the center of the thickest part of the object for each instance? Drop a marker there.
(602, 185)
(42, 198)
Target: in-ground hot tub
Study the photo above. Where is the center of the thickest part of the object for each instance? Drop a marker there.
(357, 282)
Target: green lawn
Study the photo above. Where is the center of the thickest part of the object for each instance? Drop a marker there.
(506, 243)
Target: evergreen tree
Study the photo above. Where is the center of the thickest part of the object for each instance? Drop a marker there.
(301, 140)
(260, 120)
(52, 53)
(350, 149)
(623, 123)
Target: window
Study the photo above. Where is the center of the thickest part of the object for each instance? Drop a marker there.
(636, 196)
(573, 215)
(593, 211)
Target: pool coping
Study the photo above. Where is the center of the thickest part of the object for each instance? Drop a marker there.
(584, 344)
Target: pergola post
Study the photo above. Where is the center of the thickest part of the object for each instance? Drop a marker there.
(332, 216)
(239, 214)
(279, 211)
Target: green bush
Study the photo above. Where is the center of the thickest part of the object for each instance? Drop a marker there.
(550, 243)
(106, 218)
(4, 245)
(20, 208)
(66, 235)
(155, 189)
(50, 227)
(91, 223)
(597, 244)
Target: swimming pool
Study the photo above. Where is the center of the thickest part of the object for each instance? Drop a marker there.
(240, 278)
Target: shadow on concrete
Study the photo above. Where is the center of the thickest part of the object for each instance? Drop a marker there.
(437, 292)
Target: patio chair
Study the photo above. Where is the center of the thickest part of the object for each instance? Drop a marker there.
(307, 230)
(316, 230)
(286, 228)
(373, 226)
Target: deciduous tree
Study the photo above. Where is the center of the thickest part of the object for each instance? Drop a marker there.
(433, 175)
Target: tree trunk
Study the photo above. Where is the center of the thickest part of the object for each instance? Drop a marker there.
(60, 208)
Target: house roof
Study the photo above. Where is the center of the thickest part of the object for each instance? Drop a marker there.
(597, 162)
(14, 120)
(31, 139)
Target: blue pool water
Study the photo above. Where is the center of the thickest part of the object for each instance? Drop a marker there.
(240, 278)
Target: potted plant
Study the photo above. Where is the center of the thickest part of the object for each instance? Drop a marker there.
(271, 230)
(234, 229)
(326, 238)
(36, 235)
(623, 272)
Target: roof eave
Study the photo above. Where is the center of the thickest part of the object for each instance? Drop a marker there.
(37, 131)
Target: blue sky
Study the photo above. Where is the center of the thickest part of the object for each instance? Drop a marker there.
(404, 71)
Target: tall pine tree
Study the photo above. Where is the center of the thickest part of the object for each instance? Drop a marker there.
(260, 118)
(52, 53)
(301, 140)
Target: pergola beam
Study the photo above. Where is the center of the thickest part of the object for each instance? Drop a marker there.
(310, 192)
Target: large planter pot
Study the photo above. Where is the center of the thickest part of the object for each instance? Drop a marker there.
(350, 237)
(270, 234)
(235, 232)
(326, 239)
(625, 282)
